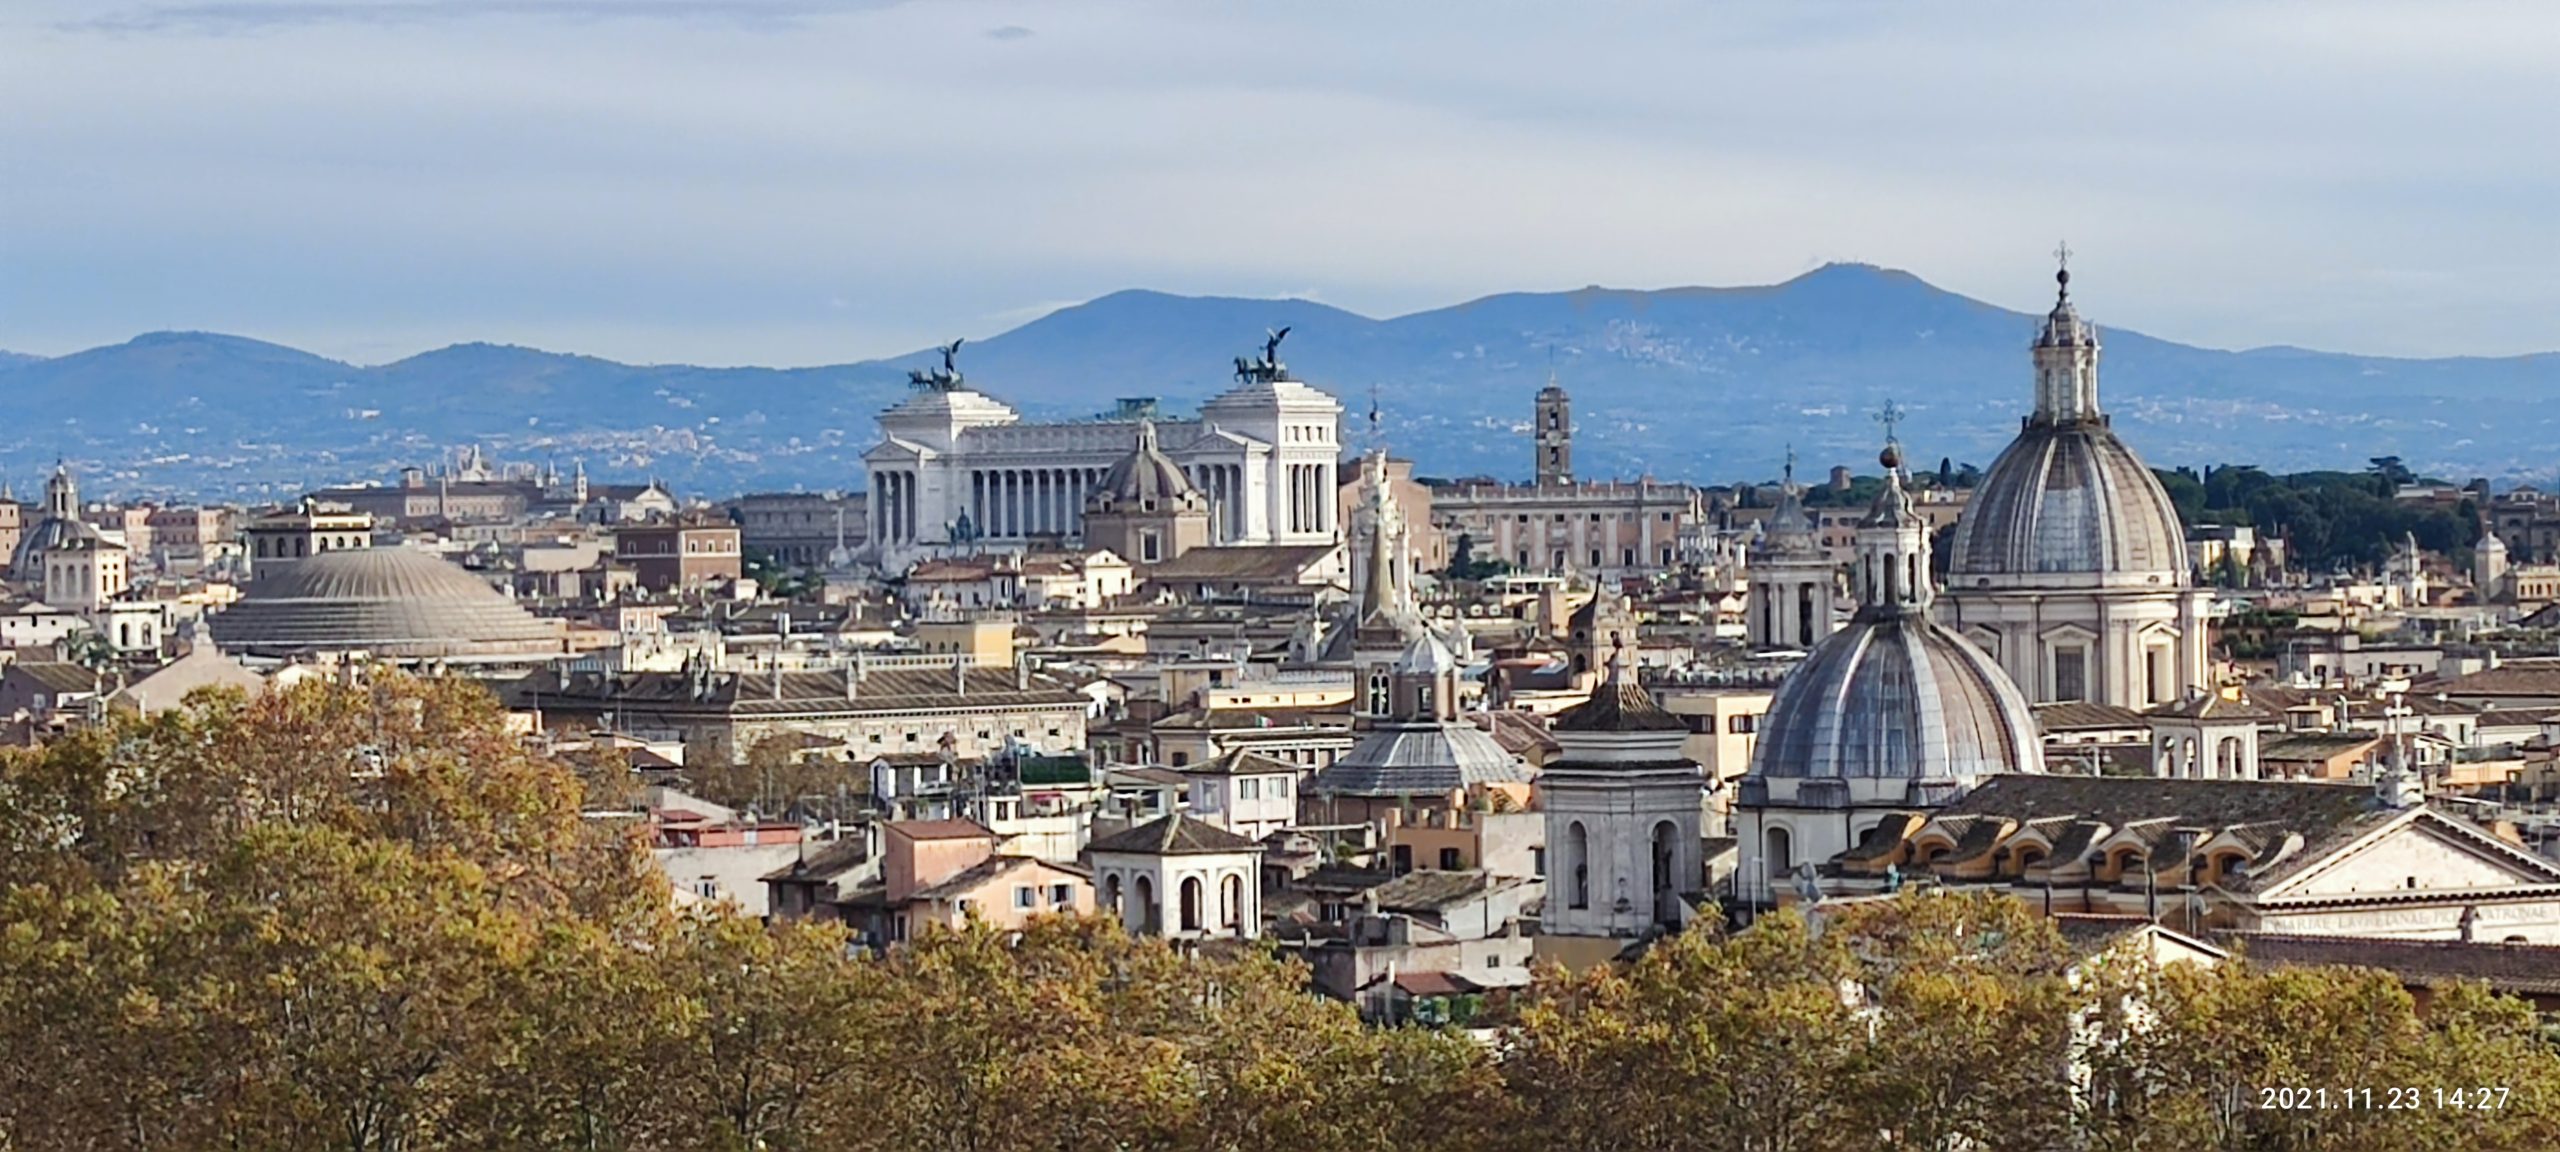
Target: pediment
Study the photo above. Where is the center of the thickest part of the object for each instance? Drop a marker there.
(2068, 633)
(2425, 853)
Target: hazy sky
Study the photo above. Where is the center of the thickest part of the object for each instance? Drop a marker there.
(803, 181)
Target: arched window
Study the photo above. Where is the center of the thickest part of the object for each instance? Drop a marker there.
(1231, 901)
(1191, 904)
(1667, 880)
(1777, 857)
(1150, 917)
(1578, 860)
(1111, 897)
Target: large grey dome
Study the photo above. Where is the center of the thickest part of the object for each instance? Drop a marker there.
(1897, 697)
(2068, 498)
(1894, 696)
(388, 601)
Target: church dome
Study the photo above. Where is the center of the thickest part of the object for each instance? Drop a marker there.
(60, 527)
(1895, 696)
(1419, 759)
(27, 563)
(2067, 497)
(388, 601)
(1146, 479)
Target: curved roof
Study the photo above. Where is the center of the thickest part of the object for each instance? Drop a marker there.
(2068, 498)
(27, 563)
(1897, 697)
(1147, 479)
(1421, 758)
(390, 601)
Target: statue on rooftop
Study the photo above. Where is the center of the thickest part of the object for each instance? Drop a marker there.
(944, 379)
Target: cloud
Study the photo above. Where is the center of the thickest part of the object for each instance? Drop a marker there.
(1010, 32)
(671, 180)
(252, 16)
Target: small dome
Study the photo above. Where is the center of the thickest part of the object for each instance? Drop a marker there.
(1897, 697)
(2068, 498)
(389, 601)
(1419, 759)
(27, 563)
(1147, 479)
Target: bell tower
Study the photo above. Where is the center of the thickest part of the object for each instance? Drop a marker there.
(1555, 436)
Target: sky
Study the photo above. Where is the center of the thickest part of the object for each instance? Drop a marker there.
(803, 181)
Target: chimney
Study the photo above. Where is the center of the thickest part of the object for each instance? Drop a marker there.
(1022, 672)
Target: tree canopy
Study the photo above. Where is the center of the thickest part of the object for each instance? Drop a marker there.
(366, 918)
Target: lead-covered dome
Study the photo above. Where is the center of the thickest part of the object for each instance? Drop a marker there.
(1897, 698)
(1894, 696)
(393, 602)
(2067, 498)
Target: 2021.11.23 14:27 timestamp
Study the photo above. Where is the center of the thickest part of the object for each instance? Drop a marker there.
(2315, 1098)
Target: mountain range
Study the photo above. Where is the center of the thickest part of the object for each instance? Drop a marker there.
(1705, 384)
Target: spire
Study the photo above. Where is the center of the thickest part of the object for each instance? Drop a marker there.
(1893, 545)
(2066, 357)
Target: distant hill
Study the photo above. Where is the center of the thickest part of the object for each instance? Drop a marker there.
(1688, 383)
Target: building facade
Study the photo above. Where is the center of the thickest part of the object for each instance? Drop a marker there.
(1606, 530)
(680, 553)
(956, 466)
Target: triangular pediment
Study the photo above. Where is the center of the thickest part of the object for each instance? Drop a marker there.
(2425, 852)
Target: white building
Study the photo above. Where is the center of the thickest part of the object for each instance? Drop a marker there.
(1623, 809)
(955, 465)
(1180, 878)
(2069, 565)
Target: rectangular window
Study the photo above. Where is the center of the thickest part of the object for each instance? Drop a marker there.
(1280, 784)
(1249, 789)
(1062, 894)
(1024, 896)
(2070, 674)
(1741, 725)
